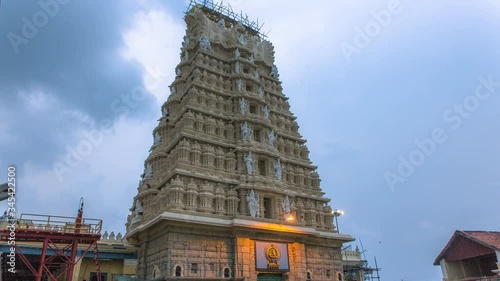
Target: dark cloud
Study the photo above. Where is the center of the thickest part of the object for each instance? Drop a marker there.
(74, 56)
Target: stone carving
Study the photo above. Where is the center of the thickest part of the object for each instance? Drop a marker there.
(239, 85)
(242, 40)
(178, 72)
(205, 43)
(185, 57)
(157, 139)
(274, 72)
(173, 90)
(253, 204)
(105, 235)
(271, 137)
(221, 23)
(148, 172)
(260, 91)
(277, 169)
(251, 58)
(243, 106)
(164, 112)
(246, 132)
(186, 42)
(286, 205)
(112, 235)
(265, 112)
(237, 53)
(256, 74)
(237, 67)
(249, 161)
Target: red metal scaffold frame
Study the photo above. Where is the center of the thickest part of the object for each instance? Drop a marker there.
(61, 235)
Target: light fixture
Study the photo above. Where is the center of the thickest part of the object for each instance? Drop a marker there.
(289, 217)
(337, 213)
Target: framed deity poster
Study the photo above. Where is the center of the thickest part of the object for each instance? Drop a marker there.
(271, 256)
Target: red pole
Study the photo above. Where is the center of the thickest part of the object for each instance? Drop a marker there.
(42, 260)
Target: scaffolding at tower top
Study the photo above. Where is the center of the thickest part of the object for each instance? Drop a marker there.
(217, 11)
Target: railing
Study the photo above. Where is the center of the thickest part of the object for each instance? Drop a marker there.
(58, 224)
(351, 255)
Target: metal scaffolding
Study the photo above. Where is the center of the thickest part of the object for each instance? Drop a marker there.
(60, 237)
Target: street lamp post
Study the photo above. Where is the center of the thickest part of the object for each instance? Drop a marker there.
(337, 213)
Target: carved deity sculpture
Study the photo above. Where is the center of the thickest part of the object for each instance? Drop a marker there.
(286, 205)
(257, 76)
(173, 90)
(265, 112)
(243, 106)
(249, 161)
(237, 53)
(221, 23)
(253, 204)
(277, 169)
(148, 172)
(157, 139)
(246, 132)
(271, 137)
(242, 40)
(178, 72)
(260, 91)
(239, 85)
(205, 43)
(251, 58)
(165, 112)
(138, 211)
(237, 67)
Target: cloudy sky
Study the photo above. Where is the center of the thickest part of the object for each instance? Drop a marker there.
(398, 101)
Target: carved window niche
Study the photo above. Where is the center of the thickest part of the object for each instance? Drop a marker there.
(249, 88)
(268, 208)
(257, 134)
(252, 108)
(263, 167)
(194, 268)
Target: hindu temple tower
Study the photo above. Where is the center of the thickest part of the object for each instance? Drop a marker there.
(228, 190)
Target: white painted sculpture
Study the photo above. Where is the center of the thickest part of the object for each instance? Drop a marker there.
(205, 43)
(237, 67)
(157, 139)
(277, 169)
(271, 137)
(165, 112)
(148, 172)
(251, 58)
(260, 91)
(172, 90)
(265, 112)
(286, 205)
(243, 106)
(242, 40)
(239, 85)
(249, 161)
(246, 132)
(237, 53)
(253, 204)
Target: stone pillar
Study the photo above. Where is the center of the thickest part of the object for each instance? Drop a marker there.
(76, 268)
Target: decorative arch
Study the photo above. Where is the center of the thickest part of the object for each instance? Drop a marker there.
(178, 270)
(226, 272)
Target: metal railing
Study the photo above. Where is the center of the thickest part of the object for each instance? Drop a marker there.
(58, 224)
